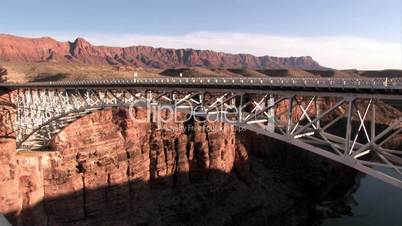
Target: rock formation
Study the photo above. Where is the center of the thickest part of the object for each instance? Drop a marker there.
(110, 169)
(20, 49)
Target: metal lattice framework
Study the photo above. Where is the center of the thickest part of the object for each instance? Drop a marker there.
(7, 116)
(341, 127)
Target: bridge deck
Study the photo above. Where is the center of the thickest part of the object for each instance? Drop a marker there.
(375, 84)
(374, 87)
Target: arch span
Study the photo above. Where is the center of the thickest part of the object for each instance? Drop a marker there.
(342, 128)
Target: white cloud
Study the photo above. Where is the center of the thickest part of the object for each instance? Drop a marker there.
(338, 52)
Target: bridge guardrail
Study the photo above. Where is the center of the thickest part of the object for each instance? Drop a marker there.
(280, 82)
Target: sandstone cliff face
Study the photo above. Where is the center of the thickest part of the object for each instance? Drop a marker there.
(15, 48)
(115, 166)
(107, 169)
(20, 49)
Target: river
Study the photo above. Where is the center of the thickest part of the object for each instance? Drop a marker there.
(378, 204)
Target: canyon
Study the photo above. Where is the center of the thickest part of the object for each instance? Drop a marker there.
(109, 169)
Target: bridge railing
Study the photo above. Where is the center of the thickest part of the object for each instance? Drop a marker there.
(327, 83)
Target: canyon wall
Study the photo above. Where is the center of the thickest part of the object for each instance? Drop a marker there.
(19, 49)
(108, 169)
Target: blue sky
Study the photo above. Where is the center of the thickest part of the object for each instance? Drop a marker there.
(340, 26)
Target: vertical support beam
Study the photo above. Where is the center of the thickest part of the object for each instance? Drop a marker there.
(201, 99)
(348, 126)
(271, 114)
(318, 105)
(240, 108)
(290, 113)
(149, 96)
(233, 101)
(151, 112)
(17, 126)
(174, 96)
(372, 126)
(202, 106)
(262, 104)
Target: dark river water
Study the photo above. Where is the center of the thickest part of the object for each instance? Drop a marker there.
(378, 204)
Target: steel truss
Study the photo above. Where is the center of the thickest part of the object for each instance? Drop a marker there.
(342, 128)
(7, 116)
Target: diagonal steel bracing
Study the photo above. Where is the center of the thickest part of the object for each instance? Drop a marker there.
(339, 127)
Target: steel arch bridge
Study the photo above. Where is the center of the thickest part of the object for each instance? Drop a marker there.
(340, 119)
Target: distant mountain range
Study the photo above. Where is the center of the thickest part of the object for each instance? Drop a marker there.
(20, 49)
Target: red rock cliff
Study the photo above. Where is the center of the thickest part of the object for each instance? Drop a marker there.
(20, 49)
(106, 169)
